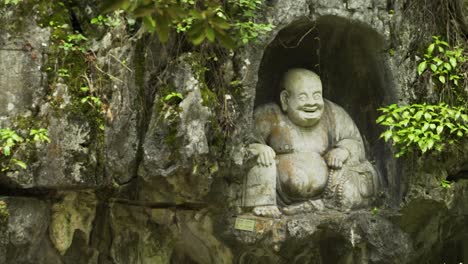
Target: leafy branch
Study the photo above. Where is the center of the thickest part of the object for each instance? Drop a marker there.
(423, 127)
(231, 23)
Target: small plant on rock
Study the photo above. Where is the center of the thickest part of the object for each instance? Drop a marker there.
(11, 141)
(445, 65)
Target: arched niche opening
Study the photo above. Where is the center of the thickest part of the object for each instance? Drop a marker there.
(350, 58)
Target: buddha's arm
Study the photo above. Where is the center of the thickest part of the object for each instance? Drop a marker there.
(264, 118)
(347, 136)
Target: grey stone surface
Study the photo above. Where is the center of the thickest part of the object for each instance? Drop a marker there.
(76, 211)
(325, 237)
(25, 238)
(122, 136)
(138, 239)
(22, 81)
(145, 235)
(359, 4)
(173, 149)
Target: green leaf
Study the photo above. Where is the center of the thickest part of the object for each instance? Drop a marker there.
(444, 43)
(19, 163)
(433, 68)
(430, 49)
(423, 146)
(442, 79)
(112, 5)
(380, 119)
(6, 150)
(438, 61)
(162, 27)
(220, 23)
(225, 41)
(448, 66)
(195, 13)
(177, 13)
(196, 29)
(422, 67)
(453, 62)
(149, 23)
(427, 116)
(386, 135)
(418, 115)
(425, 127)
(145, 10)
(210, 34)
(439, 129)
(430, 143)
(197, 40)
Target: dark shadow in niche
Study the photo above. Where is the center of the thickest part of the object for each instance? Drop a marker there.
(350, 58)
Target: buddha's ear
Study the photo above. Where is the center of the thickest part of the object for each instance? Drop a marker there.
(284, 96)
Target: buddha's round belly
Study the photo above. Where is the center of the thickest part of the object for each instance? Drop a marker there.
(302, 175)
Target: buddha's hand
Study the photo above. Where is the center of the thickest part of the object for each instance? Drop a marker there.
(336, 158)
(266, 155)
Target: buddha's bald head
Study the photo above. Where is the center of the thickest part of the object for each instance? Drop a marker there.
(301, 97)
(297, 75)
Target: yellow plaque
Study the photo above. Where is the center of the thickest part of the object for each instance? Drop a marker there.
(245, 224)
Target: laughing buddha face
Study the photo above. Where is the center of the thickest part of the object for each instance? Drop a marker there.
(301, 98)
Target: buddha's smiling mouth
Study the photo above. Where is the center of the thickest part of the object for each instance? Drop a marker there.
(310, 110)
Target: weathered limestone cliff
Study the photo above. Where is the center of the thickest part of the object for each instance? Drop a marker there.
(135, 178)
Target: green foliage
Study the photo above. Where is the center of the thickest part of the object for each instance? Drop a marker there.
(106, 20)
(74, 42)
(173, 95)
(10, 141)
(71, 62)
(423, 127)
(446, 184)
(247, 29)
(230, 22)
(63, 72)
(444, 64)
(91, 98)
(170, 106)
(40, 135)
(13, 2)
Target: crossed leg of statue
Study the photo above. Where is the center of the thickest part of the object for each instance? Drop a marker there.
(349, 187)
(352, 186)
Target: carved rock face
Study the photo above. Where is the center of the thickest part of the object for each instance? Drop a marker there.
(302, 100)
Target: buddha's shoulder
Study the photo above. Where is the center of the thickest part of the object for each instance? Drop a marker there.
(334, 109)
(268, 109)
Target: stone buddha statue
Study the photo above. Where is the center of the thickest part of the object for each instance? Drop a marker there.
(307, 150)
